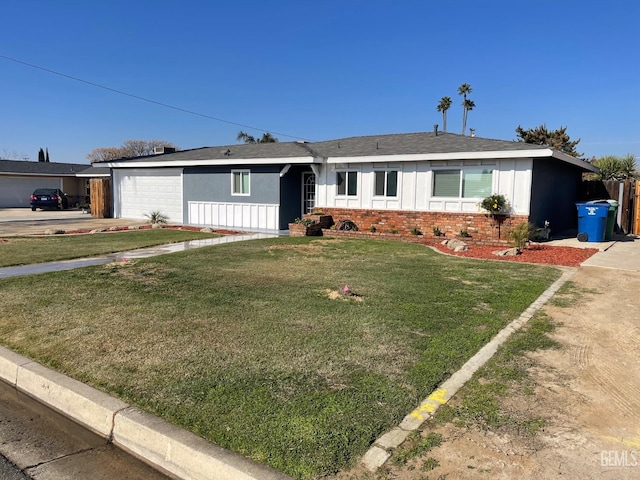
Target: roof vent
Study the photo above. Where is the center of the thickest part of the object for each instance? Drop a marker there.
(435, 129)
(226, 152)
(161, 150)
(472, 132)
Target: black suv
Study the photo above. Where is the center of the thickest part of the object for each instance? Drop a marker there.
(49, 198)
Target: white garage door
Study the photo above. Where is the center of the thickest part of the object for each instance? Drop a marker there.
(15, 191)
(140, 191)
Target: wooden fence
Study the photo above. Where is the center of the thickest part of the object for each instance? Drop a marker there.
(100, 197)
(636, 207)
(625, 192)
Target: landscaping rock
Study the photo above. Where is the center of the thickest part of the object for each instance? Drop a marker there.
(206, 230)
(134, 227)
(455, 245)
(157, 225)
(53, 231)
(509, 252)
(114, 229)
(98, 230)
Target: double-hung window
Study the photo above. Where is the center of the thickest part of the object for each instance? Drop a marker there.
(240, 182)
(386, 183)
(465, 183)
(347, 183)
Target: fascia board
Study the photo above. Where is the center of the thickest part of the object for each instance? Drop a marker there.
(212, 162)
(93, 175)
(575, 161)
(443, 156)
(490, 155)
(21, 174)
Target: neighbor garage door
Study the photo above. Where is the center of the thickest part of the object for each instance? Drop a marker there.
(15, 191)
(140, 191)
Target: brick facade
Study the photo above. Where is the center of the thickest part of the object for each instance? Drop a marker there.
(482, 228)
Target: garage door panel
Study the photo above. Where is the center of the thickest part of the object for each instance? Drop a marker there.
(140, 192)
(15, 191)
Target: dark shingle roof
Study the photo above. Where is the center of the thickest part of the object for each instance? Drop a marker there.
(393, 144)
(227, 152)
(41, 168)
(414, 143)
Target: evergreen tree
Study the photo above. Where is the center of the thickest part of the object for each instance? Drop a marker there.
(558, 139)
(41, 155)
(46, 158)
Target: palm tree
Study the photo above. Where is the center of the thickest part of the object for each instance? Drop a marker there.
(246, 138)
(468, 106)
(268, 138)
(443, 106)
(463, 90)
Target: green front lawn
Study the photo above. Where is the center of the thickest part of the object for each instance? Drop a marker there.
(28, 250)
(251, 346)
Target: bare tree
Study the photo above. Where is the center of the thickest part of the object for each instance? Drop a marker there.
(129, 149)
(13, 155)
(103, 154)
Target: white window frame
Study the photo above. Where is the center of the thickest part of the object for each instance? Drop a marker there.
(233, 176)
(463, 171)
(347, 173)
(386, 172)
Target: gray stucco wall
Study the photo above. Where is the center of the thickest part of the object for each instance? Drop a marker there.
(554, 192)
(213, 184)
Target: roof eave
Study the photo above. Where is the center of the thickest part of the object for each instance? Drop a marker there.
(213, 162)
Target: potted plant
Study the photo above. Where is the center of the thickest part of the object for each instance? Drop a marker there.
(497, 206)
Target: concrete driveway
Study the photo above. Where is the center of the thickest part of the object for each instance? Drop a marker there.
(22, 221)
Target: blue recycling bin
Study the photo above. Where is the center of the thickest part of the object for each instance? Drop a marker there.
(592, 221)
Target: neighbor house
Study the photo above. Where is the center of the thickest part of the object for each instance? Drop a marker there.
(19, 179)
(396, 182)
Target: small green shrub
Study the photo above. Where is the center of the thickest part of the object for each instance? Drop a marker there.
(521, 234)
(464, 234)
(437, 232)
(415, 231)
(394, 231)
(373, 229)
(307, 222)
(156, 217)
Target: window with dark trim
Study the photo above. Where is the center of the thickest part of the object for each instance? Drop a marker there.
(465, 183)
(386, 183)
(347, 183)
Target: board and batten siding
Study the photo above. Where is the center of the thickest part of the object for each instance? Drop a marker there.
(511, 178)
(246, 216)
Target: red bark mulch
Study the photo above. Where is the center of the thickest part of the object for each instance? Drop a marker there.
(544, 254)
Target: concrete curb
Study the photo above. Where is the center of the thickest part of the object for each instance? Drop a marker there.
(160, 444)
(380, 452)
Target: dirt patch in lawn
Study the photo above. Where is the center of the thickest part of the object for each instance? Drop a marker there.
(587, 392)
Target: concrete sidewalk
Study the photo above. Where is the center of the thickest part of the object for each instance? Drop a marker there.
(621, 253)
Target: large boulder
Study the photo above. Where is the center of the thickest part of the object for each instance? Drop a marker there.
(455, 245)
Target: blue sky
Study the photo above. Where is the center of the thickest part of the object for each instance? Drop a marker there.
(314, 70)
